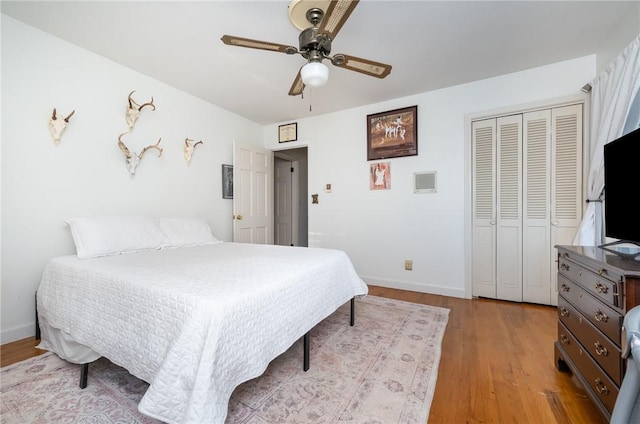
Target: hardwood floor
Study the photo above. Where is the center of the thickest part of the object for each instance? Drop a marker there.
(497, 364)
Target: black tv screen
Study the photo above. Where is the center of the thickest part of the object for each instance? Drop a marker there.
(622, 187)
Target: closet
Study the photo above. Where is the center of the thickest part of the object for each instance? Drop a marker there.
(527, 198)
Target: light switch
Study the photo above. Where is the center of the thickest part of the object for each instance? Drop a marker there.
(328, 188)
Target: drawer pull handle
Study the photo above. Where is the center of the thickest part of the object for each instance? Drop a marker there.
(600, 316)
(601, 288)
(601, 387)
(564, 267)
(564, 287)
(565, 255)
(564, 312)
(564, 339)
(601, 350)
(602, 271)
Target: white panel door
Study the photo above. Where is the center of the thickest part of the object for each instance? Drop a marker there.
(536, 231)
(509, 208)
(484, 204)
(566, 180)
(252, 194)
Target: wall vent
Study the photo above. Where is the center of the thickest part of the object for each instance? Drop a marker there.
(424, 182)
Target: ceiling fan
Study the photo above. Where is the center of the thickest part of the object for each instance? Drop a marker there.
(319, 21)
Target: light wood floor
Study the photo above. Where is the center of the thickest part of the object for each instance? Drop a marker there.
(497, 364)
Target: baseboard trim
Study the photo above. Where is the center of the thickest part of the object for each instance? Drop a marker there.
(416, 287)
(17, 333)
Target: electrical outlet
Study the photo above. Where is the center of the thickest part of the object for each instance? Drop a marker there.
(408, 265)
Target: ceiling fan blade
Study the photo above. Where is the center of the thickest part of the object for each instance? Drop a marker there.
(297, 86)
(364, 66)
(335, 16)
(257, 44)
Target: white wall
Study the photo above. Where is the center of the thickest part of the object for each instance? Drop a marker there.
(85, 175)
(380, 229)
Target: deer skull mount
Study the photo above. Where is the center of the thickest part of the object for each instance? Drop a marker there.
(57, 125)
(189, 148)
(134, 110)
(133, 159)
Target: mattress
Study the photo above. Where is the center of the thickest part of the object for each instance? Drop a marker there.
(192, 322)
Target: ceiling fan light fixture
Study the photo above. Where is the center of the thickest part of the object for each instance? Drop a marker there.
(314, 74)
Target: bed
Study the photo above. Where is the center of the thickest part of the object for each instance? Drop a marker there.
(194, 320)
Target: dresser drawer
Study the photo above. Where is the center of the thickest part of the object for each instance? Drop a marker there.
(601, 349)
(606, 319)
(596, 283)
(599, 383)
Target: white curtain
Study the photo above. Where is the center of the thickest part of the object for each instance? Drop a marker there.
(611, 96)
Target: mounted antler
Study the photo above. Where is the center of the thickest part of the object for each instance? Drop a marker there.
(134, 110)
(57, 126)
(133, 160)
(189, 148)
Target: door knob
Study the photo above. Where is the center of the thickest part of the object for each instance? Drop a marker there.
(238, 217)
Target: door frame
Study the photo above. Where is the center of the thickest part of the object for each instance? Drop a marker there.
(299, 194)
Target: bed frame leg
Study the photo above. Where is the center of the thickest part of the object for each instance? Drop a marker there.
(352, 321)
(84, 374)
(305, 362)
(37, 320)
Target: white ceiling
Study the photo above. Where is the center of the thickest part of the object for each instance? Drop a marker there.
(430, 44)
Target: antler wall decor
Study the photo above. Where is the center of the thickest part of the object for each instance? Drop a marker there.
(57, 125)
(134, 110)
(189, 148)
(133, 159)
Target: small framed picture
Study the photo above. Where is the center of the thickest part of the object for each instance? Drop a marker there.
(288, 132)
(380, 176)
(227, 181)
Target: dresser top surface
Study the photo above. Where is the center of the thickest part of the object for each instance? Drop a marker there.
(625, 266)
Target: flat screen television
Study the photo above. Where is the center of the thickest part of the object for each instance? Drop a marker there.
(622, 193)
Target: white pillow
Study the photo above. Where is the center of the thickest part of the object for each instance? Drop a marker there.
(102, 236)
(183, 232)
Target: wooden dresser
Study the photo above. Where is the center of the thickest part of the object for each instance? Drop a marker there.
(595, 290)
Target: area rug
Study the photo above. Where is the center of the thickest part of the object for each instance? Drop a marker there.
(383, 370)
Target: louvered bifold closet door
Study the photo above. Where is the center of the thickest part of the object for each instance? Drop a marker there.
(566, 179)
(536, 214)
(509, 208)
(484, 205)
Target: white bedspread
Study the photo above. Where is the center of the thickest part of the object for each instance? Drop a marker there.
(193, 322)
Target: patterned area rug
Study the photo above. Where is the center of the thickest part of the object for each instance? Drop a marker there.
(382, 370)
